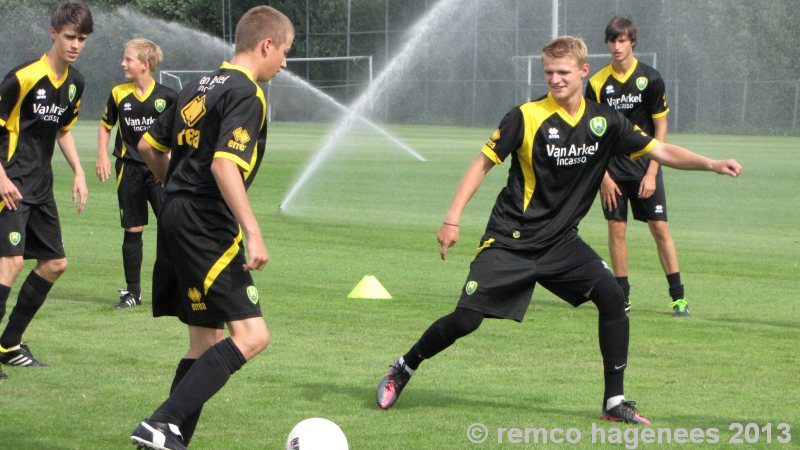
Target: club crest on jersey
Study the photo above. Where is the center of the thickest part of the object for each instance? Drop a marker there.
(471, 287)
(252, 294)
(598, 125)
(72, 91)
(14, 238)
(641, 83)
(160, 104)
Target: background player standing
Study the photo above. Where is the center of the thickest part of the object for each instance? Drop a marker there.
(637, 91)
(133, 106)
(560, 146)
(201, 275)
(39, 104)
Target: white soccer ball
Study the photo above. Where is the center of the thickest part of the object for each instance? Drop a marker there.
(316, 434)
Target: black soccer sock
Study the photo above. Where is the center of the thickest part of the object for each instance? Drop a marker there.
(442, 334)
(614, 334)
(132, 261)
(4, 291)
(190, 423)
(31, 297)
(675, 286)
(626, 287)
(206, 376)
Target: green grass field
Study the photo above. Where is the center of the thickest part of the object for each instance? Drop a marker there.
(374, 210)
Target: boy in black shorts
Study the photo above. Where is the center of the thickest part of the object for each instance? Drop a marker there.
(637, 91)
(560, 146)
(39, 104)
(133, 107)
(201, 275)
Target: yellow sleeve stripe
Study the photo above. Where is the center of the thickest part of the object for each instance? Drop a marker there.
(244, 165)
(661, 114)
(68, 126)
(154, 143)
(491, 155)
(644, 151)
(106, 125)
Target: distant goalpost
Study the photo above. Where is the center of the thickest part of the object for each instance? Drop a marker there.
(346, 72)
(529, 79)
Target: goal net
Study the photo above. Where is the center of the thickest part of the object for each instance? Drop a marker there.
(529, 76)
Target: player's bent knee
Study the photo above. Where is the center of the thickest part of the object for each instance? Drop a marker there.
(609, 298)
(53, 268)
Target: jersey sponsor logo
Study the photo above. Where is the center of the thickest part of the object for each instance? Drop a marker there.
(191, 113)
(609, 89)
(572, 155)
(471, 287)
(160, 104)
(252, 294)
(48, 113)
(625, 101)
(240, 139)
(207, 83)
(72, 91)
(553, 133)
(140, 124)
(598, 126)
(14, 237)
(641, 83)
(197, 299)
(41, 94)
(194, 110)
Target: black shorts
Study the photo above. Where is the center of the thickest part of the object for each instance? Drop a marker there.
(198, 274)
(136, 187)
(32, 231)
(644, 209)
(501, 280)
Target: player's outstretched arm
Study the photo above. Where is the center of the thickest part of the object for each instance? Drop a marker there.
(80, 193)
(230, 183)
(103, 166)
(469, 184)
(680, 158)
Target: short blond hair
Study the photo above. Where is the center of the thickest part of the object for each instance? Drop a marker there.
(259, 23)
(146, 51)
(567, 47)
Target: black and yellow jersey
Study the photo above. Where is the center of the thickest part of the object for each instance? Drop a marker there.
(34, 106)
(134, 115)
(558, 162)
(641, 96)
(221, 115)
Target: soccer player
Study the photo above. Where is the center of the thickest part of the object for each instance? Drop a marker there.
(202, 272)
(559, 145)
(133, 106)
(39, 104)
(637, 91)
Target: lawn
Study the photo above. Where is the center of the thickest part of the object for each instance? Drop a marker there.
(372, 209)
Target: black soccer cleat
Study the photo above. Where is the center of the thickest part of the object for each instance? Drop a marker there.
(625, 412)
(127, 300)
(392, 384)
(20, 356)
(627, 305)
(157, 436)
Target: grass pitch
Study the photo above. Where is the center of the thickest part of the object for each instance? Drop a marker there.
(372, 209)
